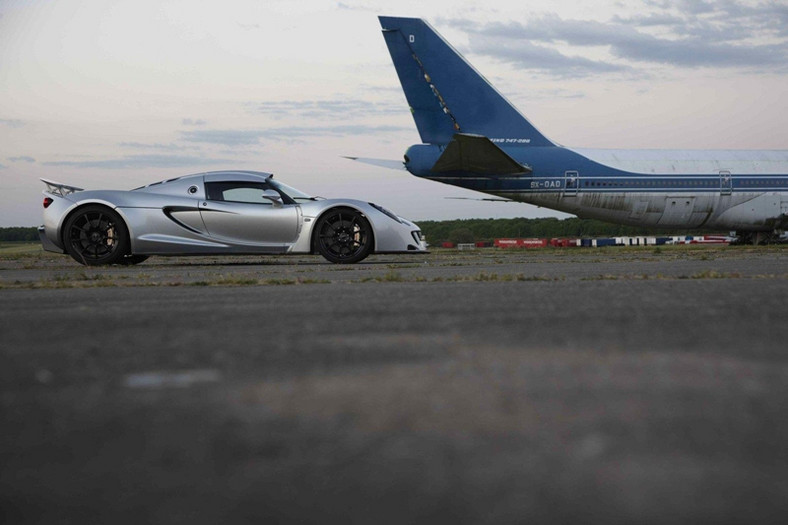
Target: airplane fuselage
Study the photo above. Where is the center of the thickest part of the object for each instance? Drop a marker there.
(715, 189)
(474, 138)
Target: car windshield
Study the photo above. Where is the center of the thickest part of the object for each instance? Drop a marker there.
(293, 193)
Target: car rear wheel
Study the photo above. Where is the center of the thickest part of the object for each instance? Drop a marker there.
(344, 236)
(96, 235)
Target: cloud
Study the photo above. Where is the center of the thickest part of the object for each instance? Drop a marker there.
(649, 20)
(725, 21)
(532, 56)
(361, 6)
(194, 122)
(679, 33)
(23, 158)
(225, 137)
(324, 109)
(12, 123)
(237, 138)
(337, 131)
(156, 146)
(140, 161)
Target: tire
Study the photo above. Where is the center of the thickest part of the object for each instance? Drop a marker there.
(344, 235)
(96, 235)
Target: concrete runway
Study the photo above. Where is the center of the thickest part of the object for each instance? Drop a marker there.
(597, 386)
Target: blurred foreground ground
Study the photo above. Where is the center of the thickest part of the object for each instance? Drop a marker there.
(596, 386)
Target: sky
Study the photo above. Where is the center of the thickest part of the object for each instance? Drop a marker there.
(115, 95)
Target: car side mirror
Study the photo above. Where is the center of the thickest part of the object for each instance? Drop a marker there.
(273, 196)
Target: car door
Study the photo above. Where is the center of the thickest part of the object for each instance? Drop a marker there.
(240, 213)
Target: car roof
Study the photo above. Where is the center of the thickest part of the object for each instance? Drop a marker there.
(215, 176)
(209, 176)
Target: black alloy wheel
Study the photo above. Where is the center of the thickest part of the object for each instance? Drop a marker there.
(344, 235)
(96, 235)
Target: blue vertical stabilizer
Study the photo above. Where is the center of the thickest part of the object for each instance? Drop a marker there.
(446, 94)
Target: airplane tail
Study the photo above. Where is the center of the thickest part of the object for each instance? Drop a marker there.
(446, 94)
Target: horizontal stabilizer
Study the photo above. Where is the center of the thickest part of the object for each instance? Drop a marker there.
(477, 154)
(383, 163)
(481, 199)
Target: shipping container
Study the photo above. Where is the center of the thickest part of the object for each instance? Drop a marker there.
(562, 243)
(605, 242)
(533, 243)
(505, 243)
(520, 243)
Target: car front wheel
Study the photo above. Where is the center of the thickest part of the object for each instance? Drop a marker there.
(96, 235)
(344, 235)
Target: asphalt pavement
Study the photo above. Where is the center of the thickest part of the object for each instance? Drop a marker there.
(598, 387)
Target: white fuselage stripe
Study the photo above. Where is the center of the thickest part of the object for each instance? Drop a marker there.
(691, 162)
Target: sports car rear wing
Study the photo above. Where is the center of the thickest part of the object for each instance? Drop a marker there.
(57, 188)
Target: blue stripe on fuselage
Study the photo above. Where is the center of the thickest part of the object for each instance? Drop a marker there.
(551, 164)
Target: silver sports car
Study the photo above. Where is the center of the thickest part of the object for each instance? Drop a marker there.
(220, 212)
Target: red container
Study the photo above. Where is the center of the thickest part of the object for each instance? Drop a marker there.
(561, 243)
(520, 243)
(533, 243)
(505, 243)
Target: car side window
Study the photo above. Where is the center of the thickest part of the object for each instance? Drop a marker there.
(247, 192)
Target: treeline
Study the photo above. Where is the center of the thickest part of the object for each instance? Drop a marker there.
(19, 233)
(472, 230)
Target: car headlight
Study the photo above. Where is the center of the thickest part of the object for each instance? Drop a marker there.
(386, 212)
